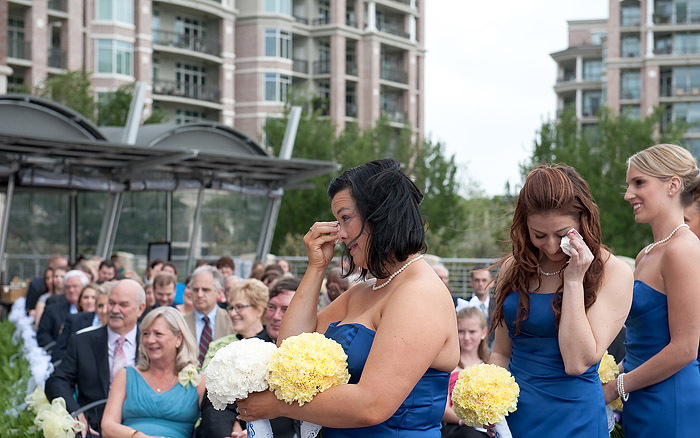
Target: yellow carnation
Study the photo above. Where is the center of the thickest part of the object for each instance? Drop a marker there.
(484, 394)
(305, 365)
(608, 370)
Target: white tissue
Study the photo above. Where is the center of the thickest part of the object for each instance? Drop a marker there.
(565, 244)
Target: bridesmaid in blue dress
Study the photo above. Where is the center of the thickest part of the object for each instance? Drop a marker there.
(398, 329)
(556, 314)
(149, 400)
(660, 386)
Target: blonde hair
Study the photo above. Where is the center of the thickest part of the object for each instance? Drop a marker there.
(475, 313)
(187, 351)
(664, 161)
(252, 289)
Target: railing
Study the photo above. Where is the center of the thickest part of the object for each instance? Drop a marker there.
(186, 89)
(322, 67)
(302, 20)
(350, 110)
(393, 74)
(19, 48)
(188, 42)
(300, 65)
(351, 68)
(321, 21)
(395, 116)
(58, 5)
(57, 58)
(567, 78)
(393, 30)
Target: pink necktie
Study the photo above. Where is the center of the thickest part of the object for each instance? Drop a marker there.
(119, 361)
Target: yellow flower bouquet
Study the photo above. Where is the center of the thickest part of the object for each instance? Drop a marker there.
(608, 371)
(483, 395)
(305, 365)
(53, 418)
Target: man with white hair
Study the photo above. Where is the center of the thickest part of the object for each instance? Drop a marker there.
(208, 321)
(95, 354)
(66, 304)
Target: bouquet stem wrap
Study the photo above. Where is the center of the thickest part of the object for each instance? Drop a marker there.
(259, 429)
(502, 430)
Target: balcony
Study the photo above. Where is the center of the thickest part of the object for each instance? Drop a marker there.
(187, 42)
(566, 78)
(302, 20)
(19, 48)
(57, 58)
(392, 29)
(322, 67)
(321, 21)
(350, 110)
(300, 65)
(351, 68)
(58, 5)
(187, 90)
(395, 116)
(394, 74)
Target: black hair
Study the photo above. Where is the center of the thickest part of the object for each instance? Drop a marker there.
(284, 283)
(388, 203)
(106, 263)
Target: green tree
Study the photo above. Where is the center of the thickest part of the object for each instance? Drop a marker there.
(599, 155)
(113, 109)
(72, 89)
(426, 162)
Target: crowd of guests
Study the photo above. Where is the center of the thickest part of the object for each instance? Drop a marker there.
(119, 342)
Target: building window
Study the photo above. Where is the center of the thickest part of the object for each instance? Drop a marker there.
(629, 46)
(591, 103)
(279, 6)
(190, 80)
(630, 85)
(631, 111)
(116, 10)
(663, 44)
(685, 43)
(597, 38)
(630, 14)
(688, 113)
(686, 81)
(693, 145)
(276, 87)
(687, 11)
(115, 57)
(278, 43)
(188, 116)
(592, 70)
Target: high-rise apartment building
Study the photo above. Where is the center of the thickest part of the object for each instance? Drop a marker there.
(231, 61)
(651, 57)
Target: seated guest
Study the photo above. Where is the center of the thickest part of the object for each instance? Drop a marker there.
(150, 295)
(87, 316)
(170, 268)
(56, 289)
(164, 287)
(94, 356)
(153, 268)
(55, 314)
(187, 305)
(222, 423)
(41, 285)
(208, 321)
(271, 273)
(335, 285)
(226, 266)
(149, 400)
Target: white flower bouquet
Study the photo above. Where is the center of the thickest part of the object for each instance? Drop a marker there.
(237, 370)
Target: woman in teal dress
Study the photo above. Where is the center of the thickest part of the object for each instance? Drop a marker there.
(161, 396)
(660, 383)
(398, 329)
(557, 313)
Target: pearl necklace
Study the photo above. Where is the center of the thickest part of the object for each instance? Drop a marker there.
(652, 245)
(550, 274)
(391, 277)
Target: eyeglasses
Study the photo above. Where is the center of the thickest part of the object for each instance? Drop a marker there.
(238, 307)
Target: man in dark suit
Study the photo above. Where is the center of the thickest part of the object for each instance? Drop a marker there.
(88, 364)
(55, 314)
(39, 286)
(72, 325)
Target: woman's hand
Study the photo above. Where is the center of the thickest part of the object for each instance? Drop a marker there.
(258, 406)
(610, 391)
(581, 257)
(320, 243)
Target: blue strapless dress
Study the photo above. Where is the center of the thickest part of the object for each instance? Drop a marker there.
(551, 403)
(171, 414)
(418, 416)
(670, 408)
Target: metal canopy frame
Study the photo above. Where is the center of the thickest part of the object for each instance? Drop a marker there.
(84, 164)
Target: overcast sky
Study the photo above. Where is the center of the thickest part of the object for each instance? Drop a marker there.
(489, 78)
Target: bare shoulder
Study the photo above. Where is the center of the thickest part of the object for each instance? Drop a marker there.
(615, 266)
